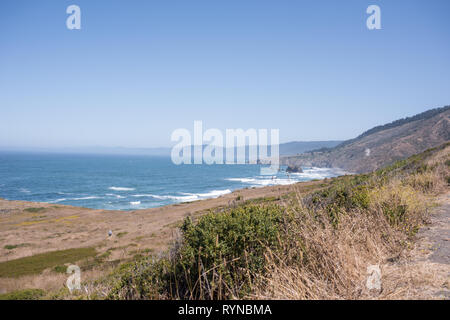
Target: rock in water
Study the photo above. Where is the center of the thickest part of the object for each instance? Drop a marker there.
(294, 169)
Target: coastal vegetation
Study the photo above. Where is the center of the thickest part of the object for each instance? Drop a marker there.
(26, 294)
(34, 210)
(304, 246)
(310, 241)
(37, 263)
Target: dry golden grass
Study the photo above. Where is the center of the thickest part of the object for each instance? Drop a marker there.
(50, 281)
(336, 262)
(338, 257)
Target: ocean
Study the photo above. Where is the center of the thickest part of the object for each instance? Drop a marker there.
(122, 182)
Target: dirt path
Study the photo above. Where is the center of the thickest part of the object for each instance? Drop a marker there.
(425, 272)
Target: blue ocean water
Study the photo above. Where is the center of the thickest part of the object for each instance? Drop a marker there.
(122, 182)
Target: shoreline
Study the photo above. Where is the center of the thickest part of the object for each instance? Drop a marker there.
(137, 198)
(38, 227)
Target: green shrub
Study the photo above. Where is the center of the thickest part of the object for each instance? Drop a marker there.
(209, 259)
(60, 269)
(395, 212)
(145, 278)
(360, 197)
(222, 244)
(344, 194)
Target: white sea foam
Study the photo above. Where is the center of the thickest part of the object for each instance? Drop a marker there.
(285, 179)
(185, 197)
(318, 173)
(243, 180)
(74, 199)
(214, 193)
(120, 189)
(262, 182)
(118, 196)
(85, 198)
(211, 194)
(160, 197)
(135, 203)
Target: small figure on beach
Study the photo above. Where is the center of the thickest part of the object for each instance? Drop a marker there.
(110, 233)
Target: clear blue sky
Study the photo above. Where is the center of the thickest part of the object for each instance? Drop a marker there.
(137, 70)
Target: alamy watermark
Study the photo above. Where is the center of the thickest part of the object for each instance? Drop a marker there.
(374, 277)
(373, 22)
(73, 22)
(74, 280)
(251, 146)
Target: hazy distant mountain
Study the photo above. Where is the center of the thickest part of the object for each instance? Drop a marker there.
(296, 147)
(95, 150)
(290, 148)
(384, 144)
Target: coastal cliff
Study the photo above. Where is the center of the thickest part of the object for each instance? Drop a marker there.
(382, 145)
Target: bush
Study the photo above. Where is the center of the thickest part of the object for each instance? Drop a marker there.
(60, 269)
(345, 194)
(215, 258)
(145, 278)
(220, 245)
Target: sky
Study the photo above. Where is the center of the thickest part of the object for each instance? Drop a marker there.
(138, 70)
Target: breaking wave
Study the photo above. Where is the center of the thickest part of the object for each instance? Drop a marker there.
(120, 189)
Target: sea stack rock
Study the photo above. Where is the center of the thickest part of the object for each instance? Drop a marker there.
(294, 169)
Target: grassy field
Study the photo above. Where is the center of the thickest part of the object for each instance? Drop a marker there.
(37, 263)
(27, 294)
